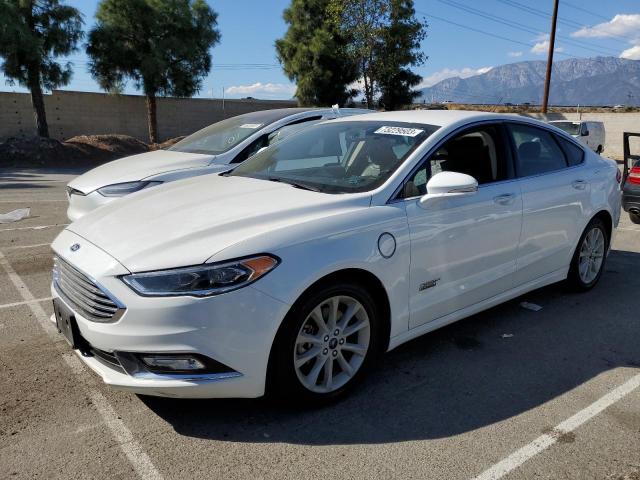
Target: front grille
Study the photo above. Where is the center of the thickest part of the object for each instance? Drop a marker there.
(84, 294)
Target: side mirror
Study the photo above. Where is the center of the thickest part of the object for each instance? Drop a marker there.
(585, 133)
(449, 185)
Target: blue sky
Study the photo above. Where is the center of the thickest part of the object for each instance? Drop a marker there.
(249, 28)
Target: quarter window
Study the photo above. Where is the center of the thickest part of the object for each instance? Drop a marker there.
(537, 151)
(574, 153)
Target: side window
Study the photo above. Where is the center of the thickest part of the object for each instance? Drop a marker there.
(253, 147)
(574, 153)
(585, 129)
(479, 152)
(537, 151)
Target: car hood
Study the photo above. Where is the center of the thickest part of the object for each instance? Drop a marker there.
(186, 222)
(138, 167)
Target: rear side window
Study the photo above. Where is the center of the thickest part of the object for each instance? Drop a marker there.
(574, 153)
(536, 150)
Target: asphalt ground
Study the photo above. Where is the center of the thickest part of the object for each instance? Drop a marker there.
(509, 393)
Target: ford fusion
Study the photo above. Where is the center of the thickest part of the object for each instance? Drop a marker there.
(293, 273)
(211, 150)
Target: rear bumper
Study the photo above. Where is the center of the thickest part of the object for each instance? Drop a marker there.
(631, 197)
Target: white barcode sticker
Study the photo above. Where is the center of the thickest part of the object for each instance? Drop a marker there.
(251, 125)
(402, 131)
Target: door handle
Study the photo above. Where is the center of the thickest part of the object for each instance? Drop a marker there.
(505, 199)
(580, 184)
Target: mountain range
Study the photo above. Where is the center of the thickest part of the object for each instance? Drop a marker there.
(575, 81)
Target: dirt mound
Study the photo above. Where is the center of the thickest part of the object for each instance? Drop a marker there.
(119, 145)
(85, 150)
(166, 144)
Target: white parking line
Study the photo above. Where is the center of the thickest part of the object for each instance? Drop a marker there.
(20, 247)
(629, 229)
(543, 442)
(35, 227)
(26, 302)
(140, 461)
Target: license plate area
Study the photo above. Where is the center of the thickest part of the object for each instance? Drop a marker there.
(66, 323)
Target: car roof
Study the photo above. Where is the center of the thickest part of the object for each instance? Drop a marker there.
(429, 117)
(273, 115)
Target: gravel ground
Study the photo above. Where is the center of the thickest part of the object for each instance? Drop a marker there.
(448, 405)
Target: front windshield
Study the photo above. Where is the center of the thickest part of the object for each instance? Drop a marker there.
(570, 127)
(219, 137)
(338, 157)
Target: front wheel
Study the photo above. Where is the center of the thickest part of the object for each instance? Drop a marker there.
(326, 344)
(590, 255)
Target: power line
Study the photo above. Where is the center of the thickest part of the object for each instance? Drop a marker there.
(521, 26)
(543, 14)
(576, 7)
(483, 32)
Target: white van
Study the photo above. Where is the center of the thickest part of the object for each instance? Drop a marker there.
(588, 132)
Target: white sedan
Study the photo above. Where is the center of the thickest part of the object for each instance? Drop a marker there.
(213, 149)
(292, 273)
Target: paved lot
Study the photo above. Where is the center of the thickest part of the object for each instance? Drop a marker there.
(508, 393)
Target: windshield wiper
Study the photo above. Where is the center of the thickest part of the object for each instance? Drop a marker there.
(294, 184)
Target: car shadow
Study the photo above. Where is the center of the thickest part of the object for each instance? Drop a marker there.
(476, 372)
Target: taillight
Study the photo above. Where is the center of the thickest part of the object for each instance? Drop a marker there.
(634, 176)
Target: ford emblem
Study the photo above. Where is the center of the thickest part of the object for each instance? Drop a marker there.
(75, 247)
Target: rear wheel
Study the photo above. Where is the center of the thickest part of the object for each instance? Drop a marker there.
(326, 344)
(590, 255)
(634, 217)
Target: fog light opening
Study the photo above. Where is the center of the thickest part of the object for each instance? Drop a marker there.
(173, 363)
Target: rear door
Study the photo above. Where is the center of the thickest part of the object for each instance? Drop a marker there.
(555, 193)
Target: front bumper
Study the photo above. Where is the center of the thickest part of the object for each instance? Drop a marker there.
(236, 329)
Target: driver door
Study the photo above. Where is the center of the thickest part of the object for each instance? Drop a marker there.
(463, 249)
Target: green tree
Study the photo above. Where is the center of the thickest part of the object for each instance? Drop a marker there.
(384, 40)
(32, 35)
(313, 54)
(362, 23)
(162, 45)
(399, 50)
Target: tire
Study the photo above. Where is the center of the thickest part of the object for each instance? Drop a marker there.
(600, 149)
(589, 257)
(293, 381)
(635, 218)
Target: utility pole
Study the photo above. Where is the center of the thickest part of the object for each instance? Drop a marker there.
(552, 42)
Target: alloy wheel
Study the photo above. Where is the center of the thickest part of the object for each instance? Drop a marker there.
(591, 256)
(332, 344)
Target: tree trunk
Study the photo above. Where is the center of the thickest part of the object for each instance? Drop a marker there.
(152, 118)
(37, 101)
(366, 84)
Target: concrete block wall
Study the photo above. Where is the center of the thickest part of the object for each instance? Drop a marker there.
(79, 113)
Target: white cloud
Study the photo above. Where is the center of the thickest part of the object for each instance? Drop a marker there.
(452, 72)
(620, 25)
(632, 53)
(514, 54)
(543, 47)
(259, 89)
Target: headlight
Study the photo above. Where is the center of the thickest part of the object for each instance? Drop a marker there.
(201, 280)
(121, 189)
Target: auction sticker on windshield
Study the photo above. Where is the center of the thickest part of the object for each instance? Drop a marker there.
(402, 131)
(251, 125)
